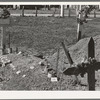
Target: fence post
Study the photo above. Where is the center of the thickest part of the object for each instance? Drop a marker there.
(3, 40)
(91, 70)
(36, 11)
(57, 61)
(62, 10)
(23, 11)
(16, 49)
(9, 41)
(94, 13)
(67, 54)
(69, 11)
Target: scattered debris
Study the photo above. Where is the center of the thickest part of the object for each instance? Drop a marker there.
(19, 53)
(12, 66)
(18, 72)
(39, 56)
(24, 76)
(41, 63)
(1, 79)
(49, 75)
(31, 67)
(54, 79)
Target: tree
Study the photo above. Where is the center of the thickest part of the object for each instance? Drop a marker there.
(82, 16)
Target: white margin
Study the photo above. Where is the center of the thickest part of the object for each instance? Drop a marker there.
(50, 3)
(49, 94)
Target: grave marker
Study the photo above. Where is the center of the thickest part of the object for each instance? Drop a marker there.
(57, 62)
(3, 24)
(91, 69)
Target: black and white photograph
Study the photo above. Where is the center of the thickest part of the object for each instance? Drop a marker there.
(49, 47)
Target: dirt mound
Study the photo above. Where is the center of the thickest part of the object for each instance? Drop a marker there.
(28, 74)
(77, 51)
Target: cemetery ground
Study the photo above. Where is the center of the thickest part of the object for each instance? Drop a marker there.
(43, 35)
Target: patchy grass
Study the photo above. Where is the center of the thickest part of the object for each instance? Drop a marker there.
(43, 34)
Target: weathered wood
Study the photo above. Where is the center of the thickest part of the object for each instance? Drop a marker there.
(69, 10)
(79, 26)
(67, 54)
(36, 11)
(91, 69)
(79, 33)
(16, 49)
(94, 13)
(57, 62)
(10, 50)
(2, 41)
(23, 11)
(9, 41)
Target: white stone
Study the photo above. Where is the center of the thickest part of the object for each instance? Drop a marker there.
(19, 53)
(49, 75)
(24, 76)
(54, 79)
(12, 66)
(18, 72)
(31, 67)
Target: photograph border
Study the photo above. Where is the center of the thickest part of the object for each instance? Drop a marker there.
(50, 94)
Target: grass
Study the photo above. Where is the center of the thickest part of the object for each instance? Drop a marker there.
(46, 33)
(43, 34)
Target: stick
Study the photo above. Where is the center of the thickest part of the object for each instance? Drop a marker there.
(94, 13)
(57, 61)
(9, 41)
(67, 54)
(69, 11)
(3, 46)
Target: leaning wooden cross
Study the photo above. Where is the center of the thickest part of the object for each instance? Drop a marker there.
(88, 66)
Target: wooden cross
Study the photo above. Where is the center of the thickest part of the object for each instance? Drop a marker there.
(85, 67)
(91, 69)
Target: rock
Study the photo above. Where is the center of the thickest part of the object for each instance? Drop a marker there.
(39, 56)
(31, 67)
(12, 66)
(41, 63)
(19, 53)
(49, 75)
(54, 79)
(24, 76)
(18, 72)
